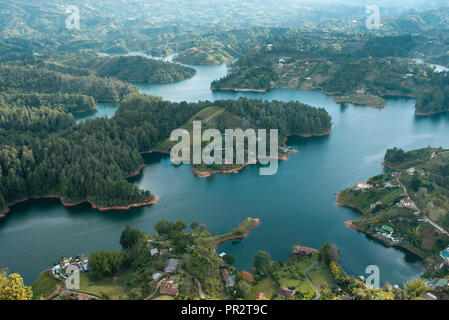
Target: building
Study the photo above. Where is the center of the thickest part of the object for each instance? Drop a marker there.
(68, 266)
(154, 252)
(386, 229)
(362, 186)
(302, 251)
(72, 268)
(156, 276)
(411, 171)
(407, 203)
(260, 296)
(445, 255)
(169, 288)
(229, 279)
(171, 265)
(285, 292)
(429, 296)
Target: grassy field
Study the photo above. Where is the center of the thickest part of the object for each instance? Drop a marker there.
(320, 274)
(266, 285)
(164, 298)
(44, 286)
(363, 199)
(107, 288)
(241, 232)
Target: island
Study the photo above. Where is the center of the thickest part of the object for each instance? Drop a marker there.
(49, 155)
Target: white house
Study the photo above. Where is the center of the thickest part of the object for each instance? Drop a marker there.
(363, 186)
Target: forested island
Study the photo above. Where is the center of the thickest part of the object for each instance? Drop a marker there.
(45, 153)
(407, 206)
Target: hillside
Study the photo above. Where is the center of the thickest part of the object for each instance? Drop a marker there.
(407, 206)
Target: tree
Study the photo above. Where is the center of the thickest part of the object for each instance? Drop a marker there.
(243, 289)
(262, 262)
(181, 241)
(394, 155)
(329, 252)
(229, 259)
(415, 183)
(106, 262)
(246, 276)
(414, 237)
(416, 288)
(164, 227)
(194, 225)
(130, 237)
(13, 288)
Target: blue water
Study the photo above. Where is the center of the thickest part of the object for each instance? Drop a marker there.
(295, 205)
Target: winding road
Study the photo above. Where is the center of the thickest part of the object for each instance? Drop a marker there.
(317, 291)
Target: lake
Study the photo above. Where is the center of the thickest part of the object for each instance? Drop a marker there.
(295, 205)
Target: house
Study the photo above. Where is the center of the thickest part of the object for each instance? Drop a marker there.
(360, 91)
(171, 265)
(362, 186)
(429, 296)
(441, 283)
(411, 171)
(302, 251)
(260, 296)
(285, 292)
(374, 205)
(169, 288)
(156, 276)
(437, 283)
(407, 203)
(386, 230)
(229, 280)
(72, 268)
(221, 255)
(445, 255)
(154, 252)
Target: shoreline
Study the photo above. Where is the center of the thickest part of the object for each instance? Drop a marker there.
(350, 224)
(425, 114)
(68, 204)
(65, 203)
(211, 173)
(95, 108)
(372, 105)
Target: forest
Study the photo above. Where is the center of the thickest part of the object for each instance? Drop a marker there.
(44, 152)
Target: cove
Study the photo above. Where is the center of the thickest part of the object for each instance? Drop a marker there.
(295, 205)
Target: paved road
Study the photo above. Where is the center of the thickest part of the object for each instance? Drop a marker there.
(200, 289)
(436, 226)
(317, 291)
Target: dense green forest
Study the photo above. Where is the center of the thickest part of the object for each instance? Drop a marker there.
(436, 98)
(132, 68)
(43, 151)
(32, 79)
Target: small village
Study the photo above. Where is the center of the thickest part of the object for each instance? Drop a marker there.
(69, 266)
